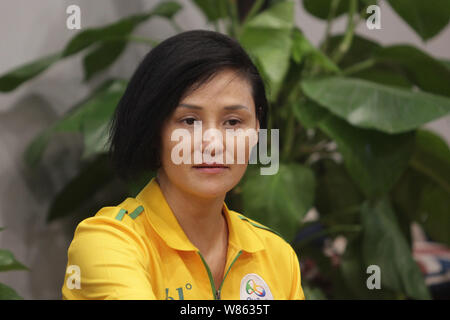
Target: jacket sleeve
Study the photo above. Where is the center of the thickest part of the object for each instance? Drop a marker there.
(296, 289)
(106, 260)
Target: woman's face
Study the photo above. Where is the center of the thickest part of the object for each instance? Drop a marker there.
(225, 102)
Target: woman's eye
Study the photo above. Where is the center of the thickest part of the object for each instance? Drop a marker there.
(188, 121)
(233, 122)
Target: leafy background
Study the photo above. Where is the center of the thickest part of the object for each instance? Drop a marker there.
(353, 144)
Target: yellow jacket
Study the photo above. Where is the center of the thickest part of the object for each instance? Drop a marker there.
(137, 250)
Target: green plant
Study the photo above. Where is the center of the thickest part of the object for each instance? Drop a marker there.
(9, 263)
(352, 140)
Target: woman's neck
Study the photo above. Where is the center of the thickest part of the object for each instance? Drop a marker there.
(201, 218)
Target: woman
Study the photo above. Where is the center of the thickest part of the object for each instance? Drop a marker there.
(177, 239)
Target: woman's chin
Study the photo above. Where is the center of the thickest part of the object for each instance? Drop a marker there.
(210, 190)
(210, 187)
(206, 183)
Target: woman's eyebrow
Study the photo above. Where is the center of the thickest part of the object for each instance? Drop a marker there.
(232, 107)
(190, 106)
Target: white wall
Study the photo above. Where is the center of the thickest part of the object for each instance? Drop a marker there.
(31, 29)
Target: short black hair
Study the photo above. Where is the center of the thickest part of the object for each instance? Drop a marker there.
(167, 72)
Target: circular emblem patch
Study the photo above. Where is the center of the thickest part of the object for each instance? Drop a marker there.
(253, 287)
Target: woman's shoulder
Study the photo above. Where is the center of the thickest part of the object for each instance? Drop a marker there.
(126, 212)
(270, 237)
(124, 218)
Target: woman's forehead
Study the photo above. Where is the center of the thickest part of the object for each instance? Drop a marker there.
(230, 107)
(218, 93)
(222, 83)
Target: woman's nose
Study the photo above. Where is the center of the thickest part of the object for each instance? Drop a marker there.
(213, 142)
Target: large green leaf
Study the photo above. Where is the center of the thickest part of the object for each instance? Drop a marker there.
(337, 197)
(432, 158)
(354, 273)
(107, 48)
(303, 49)
(427, 18)
(417, 198)
(385, 246)
(423, 192)
(434, 208)
(375, 160)
(136, 185)
(279, 201)
(89, 118)
(81, 188)
(8, 262)
(112, 40)
(7, 293)
(267, 38)
(123, 27)
(77, 197)
(406, 195)
(213, 9)
(17, 76)
(313, 293)
(166, 9)
(406, 199)
(370, 105)
(308, 113)
(446, 63)
(384, 75)
(96, 115)
(96, 136)
(106, 53)
(102, 56)
(421, 69)
(361, 49)
(90, 36)
(321, 8)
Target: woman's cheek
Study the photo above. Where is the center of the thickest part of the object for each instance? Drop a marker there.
(239, 147)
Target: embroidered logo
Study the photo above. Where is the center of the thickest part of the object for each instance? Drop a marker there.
(253, 287)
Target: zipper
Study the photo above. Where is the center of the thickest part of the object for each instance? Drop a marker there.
(216, 292)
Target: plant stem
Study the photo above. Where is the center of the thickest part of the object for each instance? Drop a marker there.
(176, 26)
(347, 211)
(366, 64)
(216, 26)
(333, 7)
(289, 137)
(346, 42)
(294, 95)
(430, 174)
(144, 40)
(360, 15)
(234, 19)
(254, 10)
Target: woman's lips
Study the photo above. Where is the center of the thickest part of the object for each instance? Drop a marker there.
(211, 168)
